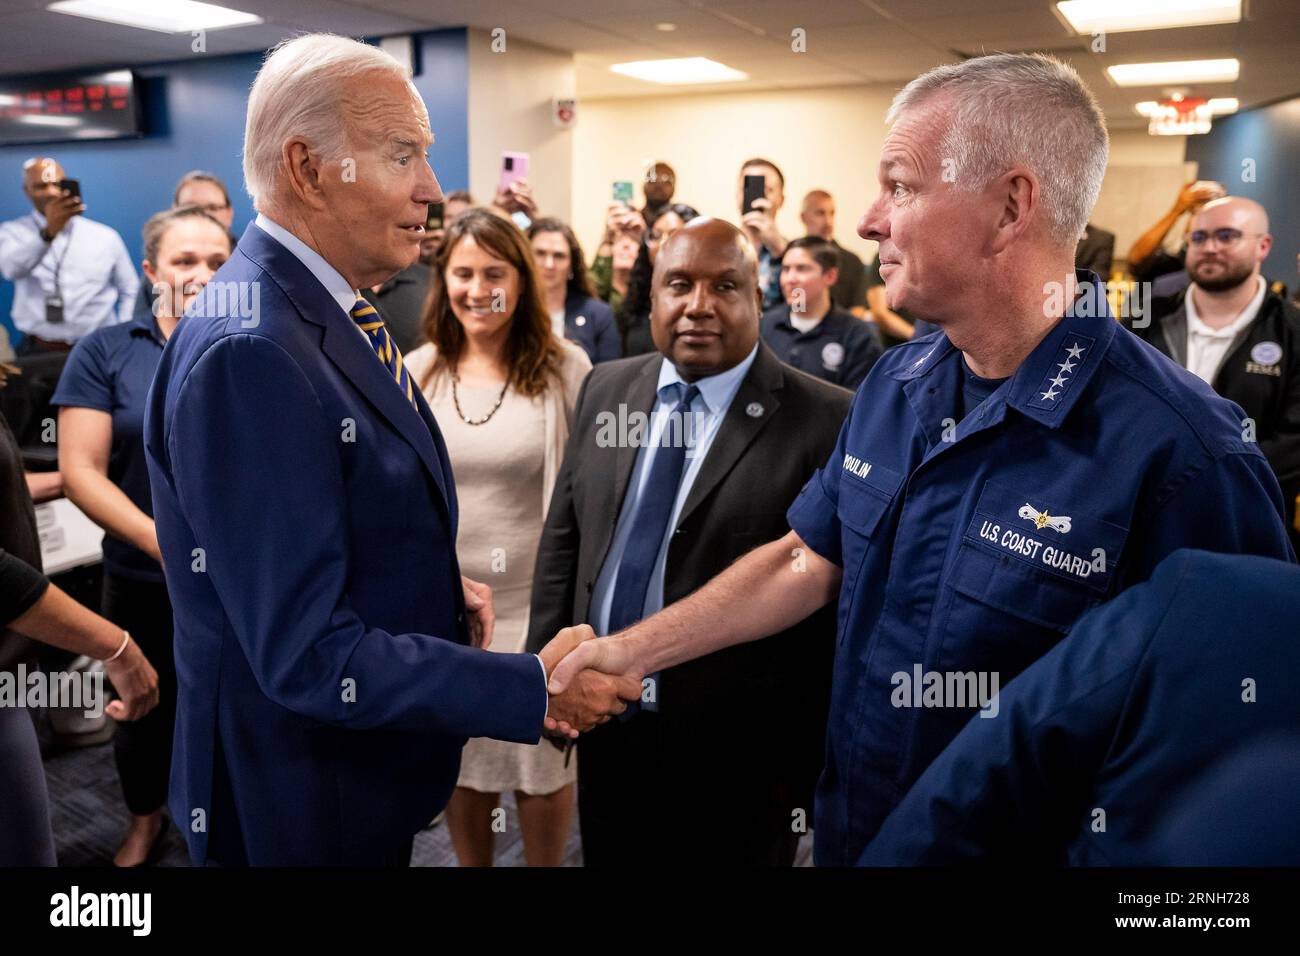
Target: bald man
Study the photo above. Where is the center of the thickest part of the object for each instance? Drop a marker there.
(850, 290)
(679, 462)
(71, 275)
(1242, 339)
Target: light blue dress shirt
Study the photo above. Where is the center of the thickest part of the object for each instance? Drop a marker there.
(710, 407)
(96, 279)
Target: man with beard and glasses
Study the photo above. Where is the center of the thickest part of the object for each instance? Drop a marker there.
(1238, 336)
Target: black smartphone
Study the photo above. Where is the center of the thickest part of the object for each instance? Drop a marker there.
(435, 218)
(755, 188)
(70, 186)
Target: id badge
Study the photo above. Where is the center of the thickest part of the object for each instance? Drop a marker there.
(54, 309)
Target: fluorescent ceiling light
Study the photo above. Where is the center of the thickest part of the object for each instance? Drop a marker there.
(165, 16)
(1177, 73)
(693, 69)
(1120, 16)
(1219, 106)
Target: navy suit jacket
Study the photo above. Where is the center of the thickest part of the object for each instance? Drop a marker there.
(590, 323)
(307, 519)
(1161, 732)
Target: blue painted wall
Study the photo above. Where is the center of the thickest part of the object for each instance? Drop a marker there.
(1269, 136)
(194, 119)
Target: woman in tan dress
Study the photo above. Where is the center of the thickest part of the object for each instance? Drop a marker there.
(502, 387)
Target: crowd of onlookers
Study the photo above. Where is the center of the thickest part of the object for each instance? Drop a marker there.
(94, 327)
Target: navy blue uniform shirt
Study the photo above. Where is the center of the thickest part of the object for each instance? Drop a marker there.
(839, 349)
(1105, 751)
(973, 545)
(111, 370)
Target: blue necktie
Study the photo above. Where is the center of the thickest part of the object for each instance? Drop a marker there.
(650, 520)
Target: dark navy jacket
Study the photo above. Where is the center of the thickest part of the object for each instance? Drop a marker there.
(973, 546)
(590, 323)
(1112, 748)
(307, 520)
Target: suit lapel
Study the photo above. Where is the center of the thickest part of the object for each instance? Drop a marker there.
(356, 359)
(348, 349)
(757, 393)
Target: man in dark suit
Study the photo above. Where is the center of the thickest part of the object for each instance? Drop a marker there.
(327, 649)
(679, 463)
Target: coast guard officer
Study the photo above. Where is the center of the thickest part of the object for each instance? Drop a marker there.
(995, 480)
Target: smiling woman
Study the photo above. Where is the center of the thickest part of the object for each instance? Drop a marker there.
(502, 386)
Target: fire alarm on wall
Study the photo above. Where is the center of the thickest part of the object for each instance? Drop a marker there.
(564, 111)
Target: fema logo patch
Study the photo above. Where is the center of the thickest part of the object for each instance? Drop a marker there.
(1074, 352)
(1266, 353)
(833, 355)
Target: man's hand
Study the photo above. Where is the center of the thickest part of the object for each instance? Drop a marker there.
(583, 698)
(59, 210)
(591, 698)
(1198, 193)
(136, 683)
(478, 605)
(761, 226)
(517, 197)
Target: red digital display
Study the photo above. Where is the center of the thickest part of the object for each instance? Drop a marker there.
(66, 108)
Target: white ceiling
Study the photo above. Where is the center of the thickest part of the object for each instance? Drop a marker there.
(848, 41)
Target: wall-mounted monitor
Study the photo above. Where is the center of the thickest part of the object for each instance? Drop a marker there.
(69, 107)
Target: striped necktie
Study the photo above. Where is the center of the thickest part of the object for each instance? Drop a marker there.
(367, 317)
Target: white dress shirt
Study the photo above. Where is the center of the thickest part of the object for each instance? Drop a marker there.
(716, 395)
(1208, 347)
(96, 280)
(346, 296)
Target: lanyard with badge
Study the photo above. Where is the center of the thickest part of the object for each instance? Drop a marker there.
(54, 301)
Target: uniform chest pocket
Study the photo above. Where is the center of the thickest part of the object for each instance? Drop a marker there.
(1023, 574)
(865, 498)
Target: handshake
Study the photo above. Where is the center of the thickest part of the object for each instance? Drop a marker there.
(589, 680)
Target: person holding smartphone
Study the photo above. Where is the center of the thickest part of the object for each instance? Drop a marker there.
(758, 212)
(71, 275)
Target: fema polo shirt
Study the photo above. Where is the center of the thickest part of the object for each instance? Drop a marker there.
(971, 544)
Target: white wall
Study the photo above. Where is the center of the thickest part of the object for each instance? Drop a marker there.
(1141, 183)
(510, 109)
(828, 138)
(824, 138)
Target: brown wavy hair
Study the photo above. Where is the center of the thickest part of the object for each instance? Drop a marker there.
(533, 357)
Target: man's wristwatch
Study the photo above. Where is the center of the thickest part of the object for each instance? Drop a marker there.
(45, 236)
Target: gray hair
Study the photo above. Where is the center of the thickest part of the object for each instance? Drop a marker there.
(1021, 108)
(297, 93)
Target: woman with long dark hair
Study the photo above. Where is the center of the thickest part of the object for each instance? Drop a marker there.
(502, 386)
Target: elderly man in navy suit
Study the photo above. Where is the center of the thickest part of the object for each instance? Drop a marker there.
(330, 657)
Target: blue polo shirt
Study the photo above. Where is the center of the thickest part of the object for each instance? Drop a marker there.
(969, 545)
(111, 370)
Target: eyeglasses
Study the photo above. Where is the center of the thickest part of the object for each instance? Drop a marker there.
(215, 207)
(1223, 237)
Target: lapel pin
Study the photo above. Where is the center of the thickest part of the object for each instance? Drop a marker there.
(754, 410)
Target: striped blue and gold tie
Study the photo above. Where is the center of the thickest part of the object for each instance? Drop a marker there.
(365, 315)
